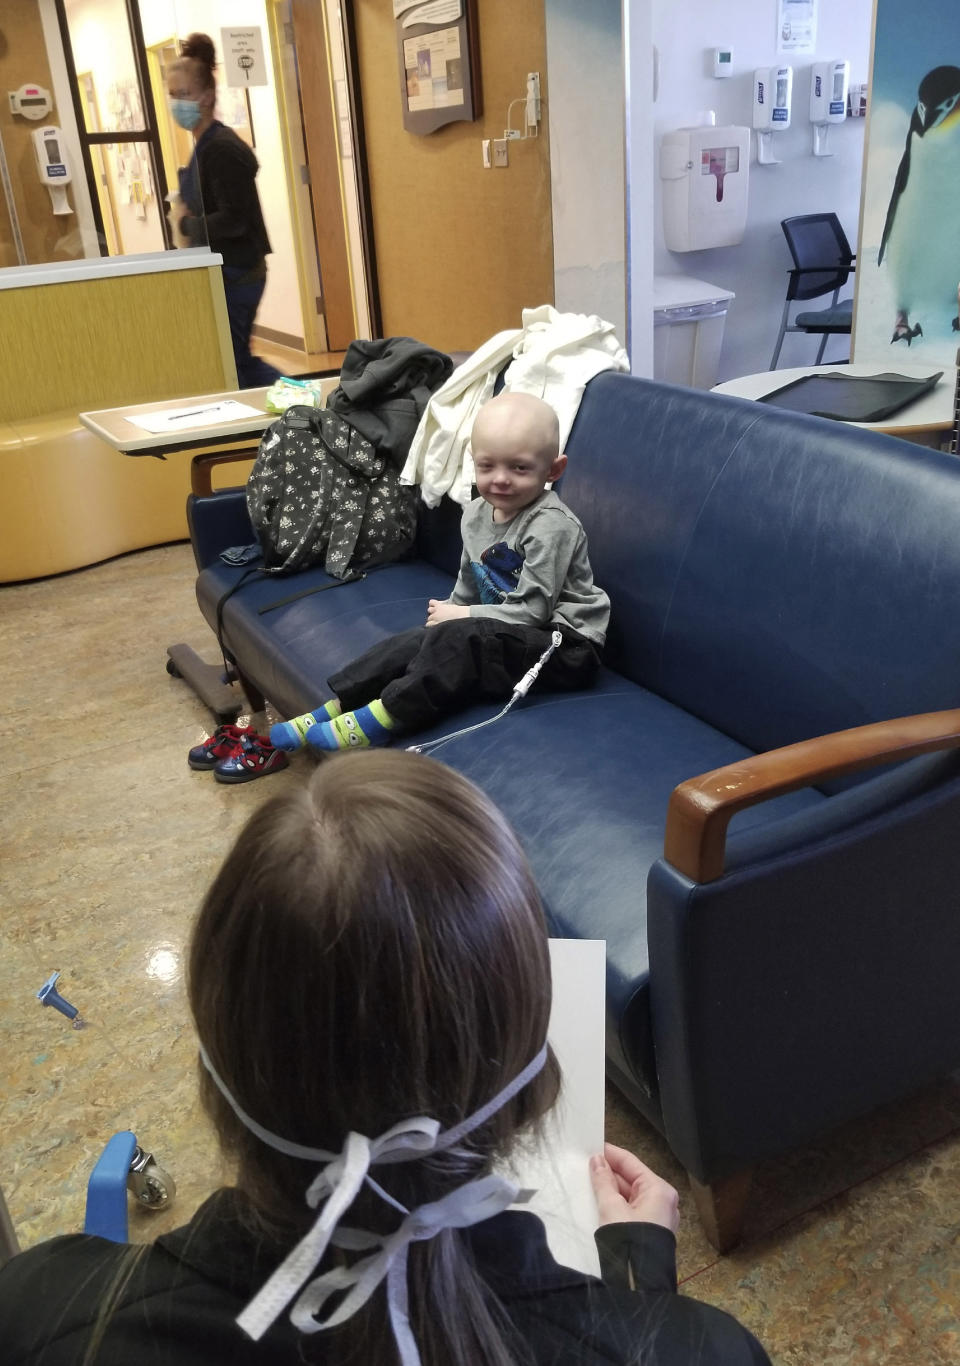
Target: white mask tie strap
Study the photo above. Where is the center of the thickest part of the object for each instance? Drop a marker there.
(468, 1204)
(336, 1186)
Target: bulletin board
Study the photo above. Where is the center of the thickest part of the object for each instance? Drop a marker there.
(439, 58)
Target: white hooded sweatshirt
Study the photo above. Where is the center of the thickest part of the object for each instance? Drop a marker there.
(554, 356)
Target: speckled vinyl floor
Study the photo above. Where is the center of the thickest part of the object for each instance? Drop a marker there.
(852, 1252)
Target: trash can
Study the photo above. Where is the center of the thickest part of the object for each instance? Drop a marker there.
(688, 318)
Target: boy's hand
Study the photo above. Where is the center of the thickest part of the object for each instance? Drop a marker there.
(438, 611)
(627, 1190)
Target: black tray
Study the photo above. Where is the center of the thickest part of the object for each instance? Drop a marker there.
(851, 398)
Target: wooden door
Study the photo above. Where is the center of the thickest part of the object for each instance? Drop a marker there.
(323, 156)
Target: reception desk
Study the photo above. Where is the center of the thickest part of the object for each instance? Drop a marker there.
(96, 334)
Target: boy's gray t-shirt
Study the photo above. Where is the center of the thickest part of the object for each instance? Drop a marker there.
(532, 570)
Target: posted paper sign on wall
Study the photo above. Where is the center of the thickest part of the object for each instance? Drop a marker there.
(244, 62)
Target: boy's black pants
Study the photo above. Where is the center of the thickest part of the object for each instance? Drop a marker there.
(425, 674)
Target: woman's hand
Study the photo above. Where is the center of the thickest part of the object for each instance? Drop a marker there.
(627, 1190)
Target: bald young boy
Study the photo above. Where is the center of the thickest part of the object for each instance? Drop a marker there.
(524, 572)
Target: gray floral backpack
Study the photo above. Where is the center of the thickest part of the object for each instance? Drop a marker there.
(320, 493)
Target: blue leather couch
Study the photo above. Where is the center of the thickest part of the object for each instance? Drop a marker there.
(775, 579)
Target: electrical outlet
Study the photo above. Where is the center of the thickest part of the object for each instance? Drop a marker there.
(485, 149)
(500, 152)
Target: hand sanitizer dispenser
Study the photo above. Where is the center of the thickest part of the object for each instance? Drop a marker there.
(829, 84)
(772, 92)
(705, 172)
(52, 165)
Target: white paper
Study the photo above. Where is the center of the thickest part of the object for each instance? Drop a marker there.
(169, 420)
(558, 1169)
(433, 69)
(797, 26)
(433, 12)
(244, 60)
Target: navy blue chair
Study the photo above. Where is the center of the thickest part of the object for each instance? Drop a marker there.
(822, 264)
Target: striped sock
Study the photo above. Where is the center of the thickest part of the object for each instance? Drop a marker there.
(370, 725)
(290, 735)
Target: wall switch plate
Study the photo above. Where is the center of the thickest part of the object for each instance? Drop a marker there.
(500, 152)
(485, 148)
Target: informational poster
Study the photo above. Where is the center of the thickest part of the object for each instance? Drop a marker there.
(244, 61)
(797, 26)
(434, 70)
(908, 267)
(438, 56)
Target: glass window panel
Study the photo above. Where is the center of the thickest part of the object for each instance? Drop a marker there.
(102, 49)
(129, 202)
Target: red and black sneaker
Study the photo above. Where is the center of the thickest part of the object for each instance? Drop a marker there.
(224, 741)
(254, 758)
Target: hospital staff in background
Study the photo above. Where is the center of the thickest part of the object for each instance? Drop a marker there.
(218, 203)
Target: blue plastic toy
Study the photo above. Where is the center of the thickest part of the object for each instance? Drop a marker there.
(49, 996)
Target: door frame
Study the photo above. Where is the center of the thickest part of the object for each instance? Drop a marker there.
(147, 135)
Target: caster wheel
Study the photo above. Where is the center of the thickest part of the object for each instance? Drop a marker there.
(172, 669)
(155, 1188)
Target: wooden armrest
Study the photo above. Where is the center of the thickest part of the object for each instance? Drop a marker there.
(700, 809)
(201, 481)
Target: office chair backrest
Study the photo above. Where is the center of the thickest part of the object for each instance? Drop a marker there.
(816, 239)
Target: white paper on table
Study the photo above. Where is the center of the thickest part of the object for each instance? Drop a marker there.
(557, 1169)
(202, 415)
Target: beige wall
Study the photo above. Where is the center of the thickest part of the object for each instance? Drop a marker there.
(460, 250)
(23, 60)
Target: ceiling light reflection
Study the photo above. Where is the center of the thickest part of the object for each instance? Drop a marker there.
(163, 963)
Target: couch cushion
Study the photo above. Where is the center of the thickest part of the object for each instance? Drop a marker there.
(585, 780)
(761, 563)
(290, 651)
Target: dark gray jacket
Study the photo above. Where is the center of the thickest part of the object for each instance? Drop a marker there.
(384, 387)
(178, 1307)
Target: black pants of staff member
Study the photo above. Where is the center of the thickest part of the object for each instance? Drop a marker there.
(243, 290)
(425, 674)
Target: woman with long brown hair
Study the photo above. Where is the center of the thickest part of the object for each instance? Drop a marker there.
(370, 981)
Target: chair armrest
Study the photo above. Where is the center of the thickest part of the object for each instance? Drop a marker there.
(201, 482)
(218, 522)
(834, 269)
(700, 809)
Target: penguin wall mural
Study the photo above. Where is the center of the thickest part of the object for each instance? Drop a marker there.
(908, 263)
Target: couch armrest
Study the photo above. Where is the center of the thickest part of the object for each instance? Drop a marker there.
(218, 522)
(700, 809)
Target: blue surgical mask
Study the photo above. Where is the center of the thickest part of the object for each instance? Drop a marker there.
(186, 113)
